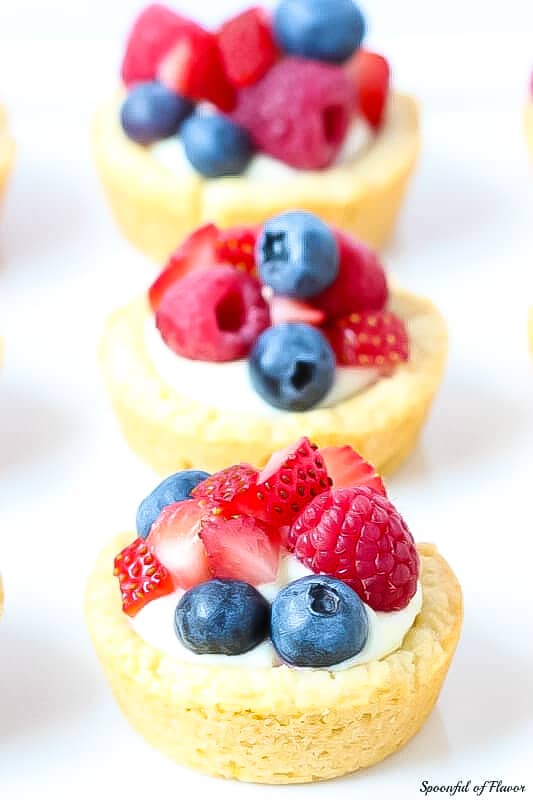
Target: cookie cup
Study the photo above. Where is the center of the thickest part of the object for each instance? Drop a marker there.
(277, 725)
(156, 209)
(171, 432)
(7, 152)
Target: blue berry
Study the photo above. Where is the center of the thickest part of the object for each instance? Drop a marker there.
(216, 146)
(151, 112)
(173, 489)
(324, 30)
(222, 616)
(292, 366)
(297, 254)
(318, 621)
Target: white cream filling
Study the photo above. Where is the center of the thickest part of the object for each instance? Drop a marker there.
(386, 630)
(226, 385)
(263, 168)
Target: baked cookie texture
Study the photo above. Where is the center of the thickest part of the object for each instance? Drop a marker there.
(7, 152)
(277, 725)
(171, 432)
(156, 209)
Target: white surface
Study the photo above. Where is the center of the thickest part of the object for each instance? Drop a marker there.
(68, 482)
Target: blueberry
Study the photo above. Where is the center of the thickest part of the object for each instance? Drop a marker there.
(222, 616)
(173, 489)
(297, 254)
(292, 366)
(151, 112)
(215, 145)
(318, 621)
(325, 30)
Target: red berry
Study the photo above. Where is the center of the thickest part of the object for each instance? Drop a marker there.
(241, 548)
(247, 46)
(357, 535)
(236, 246)
(369, 339)
(153, 34)
(288, 309)
(193, 68)
(361, 283)
(196, 251)
(289, 481)
(174, 540)
(224, 486)
(347, 469)
(298, 112)
(213, 314)
(370, 74)
(141, 577)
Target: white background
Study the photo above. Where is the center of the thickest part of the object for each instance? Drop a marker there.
(68, 482)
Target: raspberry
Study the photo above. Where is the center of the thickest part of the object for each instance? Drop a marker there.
(357, 536)
(369, 339)
(153, 34)
(213, 314)
(361, 283)
(299, 112)
(247, 46)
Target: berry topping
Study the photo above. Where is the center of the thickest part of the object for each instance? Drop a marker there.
(193, 67)
(213, 314)
(325, 30)
(216, 146)
(292, 366)
(173, 489)
(318, 621)
(141, 577)
(227, 617)
(369, 339)
(151, 112)
(370, 74)
(361, 283)
(153, 34)
(174, 540)
(247, 46)
(226, 485)
(288, 309)
(236, 246)
(289, 481)
(241, 547)
(347, 469)
(297, 254)
(299, 112)
(195, 252)
(357, 535)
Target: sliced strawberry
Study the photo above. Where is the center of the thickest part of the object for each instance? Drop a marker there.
(369, 339)
(241, 548)
(247, 46)
(289, 481)
(196, 251)
(288, 309)
(347, 469)
(224, 486)
(141, 577)
(194, 69)
(174, 540)
(370, 74)
(236, 246)
(154, 32)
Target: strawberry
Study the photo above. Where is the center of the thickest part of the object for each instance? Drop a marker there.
(370, 74)
(347, 469)
(153, 34)
(290, 480)
(247, 46)
(236, 246)
(224, 486)
(174, 540)
(196, 251)
(288, 309)
(141, 577)
(193, 68)
(241, 548)
(369, 339)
